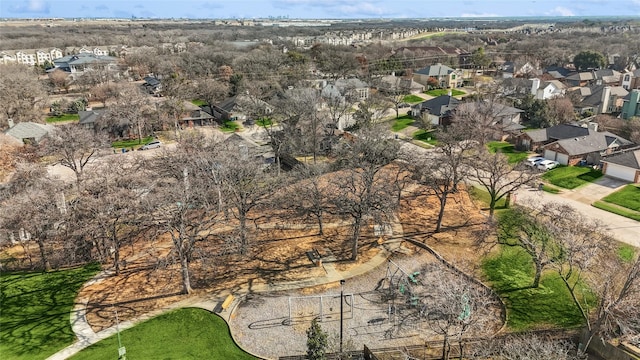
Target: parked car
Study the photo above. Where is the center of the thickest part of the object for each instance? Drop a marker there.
(547, 164)
(152, 145)
(533, 161)
(403, 105)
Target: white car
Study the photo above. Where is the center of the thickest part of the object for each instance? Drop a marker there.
(547, 164)
(152, 145)
(533, 161)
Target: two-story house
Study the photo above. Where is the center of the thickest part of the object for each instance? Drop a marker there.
(631, 80)
(631, 105)
(445, 76)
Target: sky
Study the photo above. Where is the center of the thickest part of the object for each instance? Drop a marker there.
(314, 9)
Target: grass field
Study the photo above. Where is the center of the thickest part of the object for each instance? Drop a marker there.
(428, 137)
(413, 99)
(508, 150)
(628, 197)
(131, 142)
(511, 273)
(181, 334)
(34, 321)
(198, 102)
(440, 92)
(626, 252)
(619, 210)
(570, 177)
(229, 126)
(483, 196)
(402, 122)
(63, 118)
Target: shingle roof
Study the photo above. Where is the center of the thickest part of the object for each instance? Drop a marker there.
(435, 70)
(558, 132)
(628, 158)
(439, 105)
(28, 130)
(595, 141)
(88, 117)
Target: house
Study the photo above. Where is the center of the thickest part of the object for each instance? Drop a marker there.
(196, 117)
(400, 84)
(631, 105)
(79, 63)
(503, 115)
(601, 99)
(353, 88)
(28, 132)
(597, 77)
(511, 69)
(444, 75)
(534, 140)
(631, 80)
(436, 111)
(623, 165)
(543, 90)
(152, 85)
(557, 72)
(88, 118)
(238, 108)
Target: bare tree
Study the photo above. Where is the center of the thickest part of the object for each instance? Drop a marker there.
(128, 114)
(530, 347)
(371, 111)
(560, 111)
(364, 188)
(20, 103)
(73, 146)
(495, 175)
(212, 91)
(60, 79)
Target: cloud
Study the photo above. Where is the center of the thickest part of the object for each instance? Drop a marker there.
(362, 9)
(561, 11)
(31, 6)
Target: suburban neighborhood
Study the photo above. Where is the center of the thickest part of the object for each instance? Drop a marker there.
(320, 189)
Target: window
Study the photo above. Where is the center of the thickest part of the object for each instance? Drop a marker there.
(627, 77)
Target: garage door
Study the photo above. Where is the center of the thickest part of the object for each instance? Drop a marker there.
(562, 158)
(620, 172)
(549, 154)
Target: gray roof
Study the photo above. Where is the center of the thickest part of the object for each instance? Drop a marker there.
(88, 117)
(84, 58)
(595, 98)
(558, 132)
(594, 142)
(627, 158)
(440, 105)
(352, 83)
(435, 70)
(29, 130)
(496, 108)
(581, 76)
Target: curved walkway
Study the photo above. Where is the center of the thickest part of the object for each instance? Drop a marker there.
(86, 336)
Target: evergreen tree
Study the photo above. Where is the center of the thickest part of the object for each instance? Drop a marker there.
(316, 342)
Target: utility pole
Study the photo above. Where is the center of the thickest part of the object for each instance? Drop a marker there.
(341, 311)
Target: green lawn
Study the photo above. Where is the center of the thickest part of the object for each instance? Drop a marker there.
(181, 334)
(402, 122)
(264, 122)
(628, 197)
(428, 137)
(198, 102)
(64, 117)
(229, 126)
(131, 142)
(511, 273)
(483, 196)
(619, 210)
(626, 252)
(570, 177)
(35, 307)
(550, 189)
(440, 92)
(508, 150)
(412, 99)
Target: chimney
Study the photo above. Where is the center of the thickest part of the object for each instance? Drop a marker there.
(450, 92)
(535, 85)
(593, 125)
(606, 94)
(11, 123)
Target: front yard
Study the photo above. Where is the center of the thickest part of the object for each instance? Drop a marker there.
(63, 118)
(428, 137)
(624, 202)
(440, 92)
(508, 150)
(402, 123)
(413, 99)
(570, 177)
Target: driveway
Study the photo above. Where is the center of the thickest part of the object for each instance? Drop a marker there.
(594, 191)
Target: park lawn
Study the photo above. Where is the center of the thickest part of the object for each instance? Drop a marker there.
(402, 122)
(188, 333)
(413, 99)
(63, 118)
(34, 321)
(570, 177)
(628, 197)
(198, 102)
(131, 142)
(428, 137)
(508, 150)
(511, 273)
(482, 195)
(440, 92)
(615, 209)
(229, 126)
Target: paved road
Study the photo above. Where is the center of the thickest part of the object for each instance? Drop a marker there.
(622, 228)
